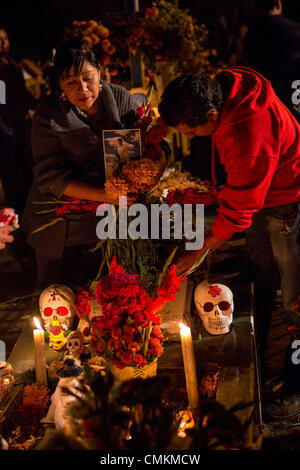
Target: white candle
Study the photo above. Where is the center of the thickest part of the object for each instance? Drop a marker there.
(39, 349)
(189, 366)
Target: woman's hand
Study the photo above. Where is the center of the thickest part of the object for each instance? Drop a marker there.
(5, 237)
(80, 190)
(131, 198)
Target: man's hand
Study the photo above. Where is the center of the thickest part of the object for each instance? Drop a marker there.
(5, 238)
(186, 261)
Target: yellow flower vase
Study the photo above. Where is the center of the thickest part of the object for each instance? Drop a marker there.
(129, 373)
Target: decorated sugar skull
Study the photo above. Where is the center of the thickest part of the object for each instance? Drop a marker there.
(53, 305)
(74, 344)
(214, 303)
(6, 379)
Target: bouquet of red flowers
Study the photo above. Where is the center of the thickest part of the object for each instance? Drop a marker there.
(192, 195)
(128, 332)
(151, 134)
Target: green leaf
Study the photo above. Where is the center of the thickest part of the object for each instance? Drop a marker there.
(98, 246)
(148, 97)
(46, 211)
(197, 263)
(52, 202)
(43, 227)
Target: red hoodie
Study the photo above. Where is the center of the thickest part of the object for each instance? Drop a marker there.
(258, 141)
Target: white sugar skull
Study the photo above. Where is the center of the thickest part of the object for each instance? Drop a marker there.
(214, 303)
(6, 379)
(53, 305)
(74, 344)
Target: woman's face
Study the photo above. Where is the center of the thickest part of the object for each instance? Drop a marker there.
(4, 43)
(82, 90)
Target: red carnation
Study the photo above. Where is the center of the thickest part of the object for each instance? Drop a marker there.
(154, 347)
(140, 361)
(156, 333)
(134, 346)
(116, 333)
(126, 357)
(97, 346)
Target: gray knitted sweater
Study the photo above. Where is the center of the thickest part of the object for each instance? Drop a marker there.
(67, 147)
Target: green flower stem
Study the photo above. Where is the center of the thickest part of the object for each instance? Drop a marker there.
(197, 263)
(43, 227)
(147, 338)
(53, 202)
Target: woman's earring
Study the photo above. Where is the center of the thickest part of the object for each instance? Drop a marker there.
(100, 87)
(63, 96)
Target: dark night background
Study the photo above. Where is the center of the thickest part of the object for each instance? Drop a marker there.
(35, 27)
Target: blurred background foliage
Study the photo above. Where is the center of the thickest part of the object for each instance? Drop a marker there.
(36, 27)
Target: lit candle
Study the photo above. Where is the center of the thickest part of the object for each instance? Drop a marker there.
(189, 366)
(39, 348)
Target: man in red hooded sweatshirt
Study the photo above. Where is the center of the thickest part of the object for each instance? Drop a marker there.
(258, 141)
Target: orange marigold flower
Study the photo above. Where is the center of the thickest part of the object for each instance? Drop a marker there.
(87, 40)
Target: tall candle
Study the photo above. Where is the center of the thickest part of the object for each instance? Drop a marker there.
(189, 366)
(39, 348)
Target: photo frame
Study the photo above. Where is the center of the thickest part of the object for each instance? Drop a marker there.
(119, 146)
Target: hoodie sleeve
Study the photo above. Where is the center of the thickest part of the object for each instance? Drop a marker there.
(248, 181)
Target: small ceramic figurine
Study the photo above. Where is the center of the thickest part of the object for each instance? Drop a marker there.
(58, 412)
(74, 344)
(214, 303)
(57, 335)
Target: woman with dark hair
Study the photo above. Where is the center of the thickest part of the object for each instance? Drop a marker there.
(68, 155)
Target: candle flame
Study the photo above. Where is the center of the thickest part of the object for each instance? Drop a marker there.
(37, 323)
(184, 328)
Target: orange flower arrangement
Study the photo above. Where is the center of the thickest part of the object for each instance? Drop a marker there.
(96, 36)
(168, 34)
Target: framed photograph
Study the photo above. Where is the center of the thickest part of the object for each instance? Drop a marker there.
(119, 146)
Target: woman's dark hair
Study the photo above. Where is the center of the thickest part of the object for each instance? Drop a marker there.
(72, 52)
(188, 98)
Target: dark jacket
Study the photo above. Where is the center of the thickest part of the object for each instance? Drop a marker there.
(272, 47)
(67, 147)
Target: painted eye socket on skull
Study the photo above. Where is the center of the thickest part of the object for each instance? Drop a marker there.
(60, 310)
(223, 306)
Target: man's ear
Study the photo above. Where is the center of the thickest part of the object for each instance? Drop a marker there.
(212, 115)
